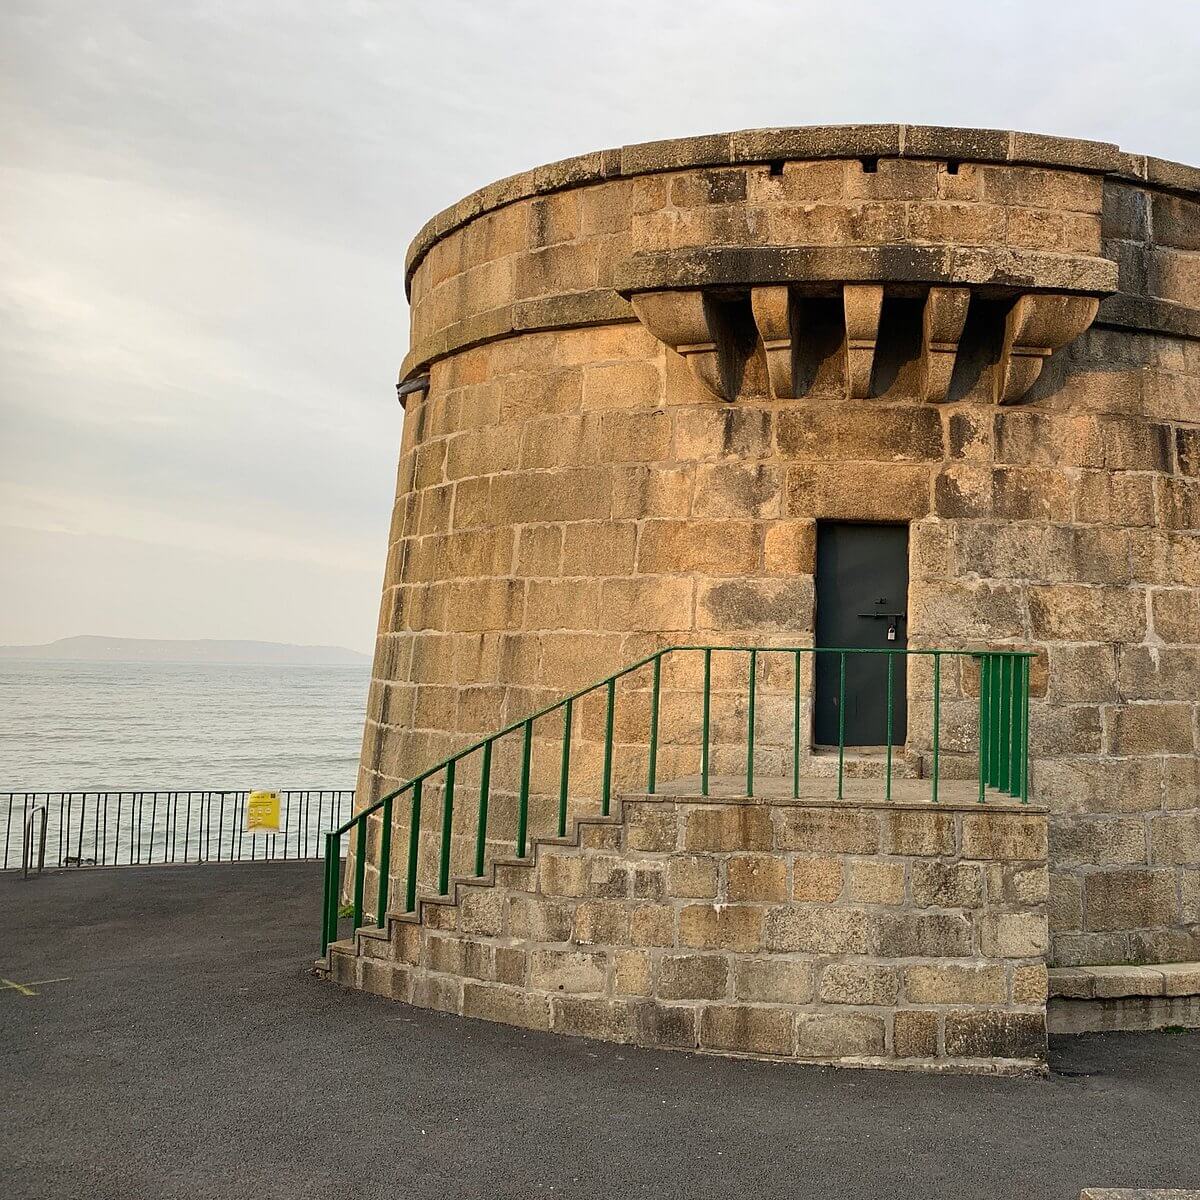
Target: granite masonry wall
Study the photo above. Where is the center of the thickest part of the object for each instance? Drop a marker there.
(572, 494)
(860, 933)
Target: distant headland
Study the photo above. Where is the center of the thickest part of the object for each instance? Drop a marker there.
(88, 648)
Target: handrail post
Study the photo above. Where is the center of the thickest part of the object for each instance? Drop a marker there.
(796, 728)
(937, 713)
(1025, 734)
(360, 869)
(329, 915)
(447, 828)
(485, 783)
(985, 733)
(841, 720)
(385, 862)
(652, 765)
(704, 731)
(891, 663)
(523, 797)
(414, 839)
(606, 783)
(564, 768)
(750, 724)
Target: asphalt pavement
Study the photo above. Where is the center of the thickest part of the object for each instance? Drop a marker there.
(161, 1036)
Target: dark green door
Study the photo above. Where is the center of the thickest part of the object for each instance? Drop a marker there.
(862, 594)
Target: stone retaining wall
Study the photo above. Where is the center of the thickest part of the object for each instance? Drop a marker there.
(878, 934)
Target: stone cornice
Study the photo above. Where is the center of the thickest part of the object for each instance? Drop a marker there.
(742, 266)
(806, 143)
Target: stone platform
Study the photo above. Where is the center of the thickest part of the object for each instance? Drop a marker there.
(858, 932)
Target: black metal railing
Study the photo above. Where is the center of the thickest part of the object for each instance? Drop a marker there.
(119, 829)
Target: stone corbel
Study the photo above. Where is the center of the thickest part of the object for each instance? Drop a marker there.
(1037, 325)
(772, 315)
(863, 303)
(944, 316)
(680, 320)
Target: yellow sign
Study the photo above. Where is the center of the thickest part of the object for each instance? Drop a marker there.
(262, 812)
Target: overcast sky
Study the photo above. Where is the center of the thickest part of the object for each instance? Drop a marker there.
(205, 207)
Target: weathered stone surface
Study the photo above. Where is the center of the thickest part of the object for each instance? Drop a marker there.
(693, 976)
(826, 1035)
(748, 1030)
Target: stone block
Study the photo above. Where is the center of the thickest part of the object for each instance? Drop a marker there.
(567, 970)
(508, 1005)
(789, 547)
(601, 923)
(872, 882)
(693, 876)
(757, 604)
(708, 547)
(817, 879)
(1151, 728)
(651, 827)
(859, 983)
(816, 930)
(756, 877)
(596, 548)
(540, 919)
(633, 973)
(1013, 935)
(935, 884)
(481, 911)
(918, 833)
(928, 935)
(994, 835)
(1129, 900)
(729, 827)
(989, 1033)
(1069, 612)
(955, 983)
(673, 1026)
(1175, 837)
(1180, 979)
(744, 1030)
(609, 1020)
(652, 925)
(721, 927)
(829, 831)
(914, 1033)
(774, 981)
(693, 977)
(858, 491)
(442, 993)
(838, 1035)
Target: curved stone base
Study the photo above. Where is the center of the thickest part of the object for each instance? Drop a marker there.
(859, 933)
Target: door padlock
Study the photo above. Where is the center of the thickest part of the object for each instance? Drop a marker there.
(891, 633)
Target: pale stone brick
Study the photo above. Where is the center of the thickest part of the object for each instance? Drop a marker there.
(652, 925)
(693, 976)
(818, 930)
(567, 970)
(955, 983)
(935, 884)
(830, 1035)
(728, 827)
(746, 1030)
(774, 981)
(693, 876)
(817, 878)
(1013, 935)
(859, 983)
(508, 1005)
(914, 1034)
(601, 923)
(875, 882)
(1003, 836)
(829, 830)
(756, 877)
(919, 833)
(991, 1033)
(632, 973)
(721, 927)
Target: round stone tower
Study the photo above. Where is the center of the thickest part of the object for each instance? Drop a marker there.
(648, 388)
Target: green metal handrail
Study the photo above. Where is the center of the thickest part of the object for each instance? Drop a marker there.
(1003, 759)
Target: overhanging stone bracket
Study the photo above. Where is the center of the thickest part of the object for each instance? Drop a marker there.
(1050, 300)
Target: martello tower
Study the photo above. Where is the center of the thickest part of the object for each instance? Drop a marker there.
(878, 387)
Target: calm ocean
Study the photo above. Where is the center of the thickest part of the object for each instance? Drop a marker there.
(133, 726)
